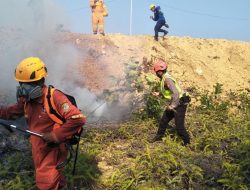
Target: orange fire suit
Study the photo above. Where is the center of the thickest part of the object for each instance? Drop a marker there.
(97, 8)
(45, 157)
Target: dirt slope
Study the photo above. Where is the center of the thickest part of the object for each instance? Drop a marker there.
(194, 62)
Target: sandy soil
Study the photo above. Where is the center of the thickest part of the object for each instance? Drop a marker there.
(194, 62)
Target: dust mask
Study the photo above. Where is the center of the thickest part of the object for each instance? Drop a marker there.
(30, 92)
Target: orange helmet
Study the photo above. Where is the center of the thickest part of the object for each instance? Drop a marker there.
(30, 69)
(160, 66)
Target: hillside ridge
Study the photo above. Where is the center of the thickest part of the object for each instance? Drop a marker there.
(194, 62)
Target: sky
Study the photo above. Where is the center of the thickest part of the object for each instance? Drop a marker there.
(227, 19)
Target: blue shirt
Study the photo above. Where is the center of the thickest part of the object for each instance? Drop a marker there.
(158, 15)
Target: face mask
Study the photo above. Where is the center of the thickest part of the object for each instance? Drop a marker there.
(29, 91)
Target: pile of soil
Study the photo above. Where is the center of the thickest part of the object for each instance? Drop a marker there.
(194, 62)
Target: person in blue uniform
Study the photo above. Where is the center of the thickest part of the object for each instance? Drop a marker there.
(160, 20)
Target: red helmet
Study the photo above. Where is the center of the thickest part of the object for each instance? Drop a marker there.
(160, 66)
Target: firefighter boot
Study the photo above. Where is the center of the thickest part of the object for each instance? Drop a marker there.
(159, 135)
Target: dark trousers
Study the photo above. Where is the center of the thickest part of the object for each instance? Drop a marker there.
(158, 26)
(179, 117)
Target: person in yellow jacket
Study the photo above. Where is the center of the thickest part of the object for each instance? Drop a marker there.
(177, 107)
(99, 10)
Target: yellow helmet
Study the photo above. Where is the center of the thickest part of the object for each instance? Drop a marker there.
(30, 69)
(151, 6)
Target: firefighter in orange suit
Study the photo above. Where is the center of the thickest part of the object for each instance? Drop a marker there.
(30, 74)
(98, 12)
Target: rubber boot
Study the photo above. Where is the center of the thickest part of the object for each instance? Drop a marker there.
(159, 135)
(156, 38)
(156, 138)
(186, 141)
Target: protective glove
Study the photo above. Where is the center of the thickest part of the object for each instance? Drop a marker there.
(151, 17)
(47, 137)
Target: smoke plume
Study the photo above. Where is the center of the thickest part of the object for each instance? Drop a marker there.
(30, 28)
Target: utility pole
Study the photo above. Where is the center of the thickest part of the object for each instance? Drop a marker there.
(131, 17)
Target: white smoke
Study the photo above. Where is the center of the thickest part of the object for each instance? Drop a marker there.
(30, 28)
(27, 28)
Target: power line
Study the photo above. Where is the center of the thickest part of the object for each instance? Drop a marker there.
(205, 14)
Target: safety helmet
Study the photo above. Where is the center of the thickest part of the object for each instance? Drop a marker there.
(30, 69)
(160, 66)
(151, 6)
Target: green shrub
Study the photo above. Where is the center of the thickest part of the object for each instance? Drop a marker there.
(217, 158)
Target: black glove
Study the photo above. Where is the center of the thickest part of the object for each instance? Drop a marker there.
(47, 137)
(185, 99)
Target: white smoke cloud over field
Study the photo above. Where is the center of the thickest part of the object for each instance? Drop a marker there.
(27, 28)
(30, 28)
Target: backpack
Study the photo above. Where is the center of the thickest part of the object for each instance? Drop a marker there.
(59, 120)
(50, 108)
